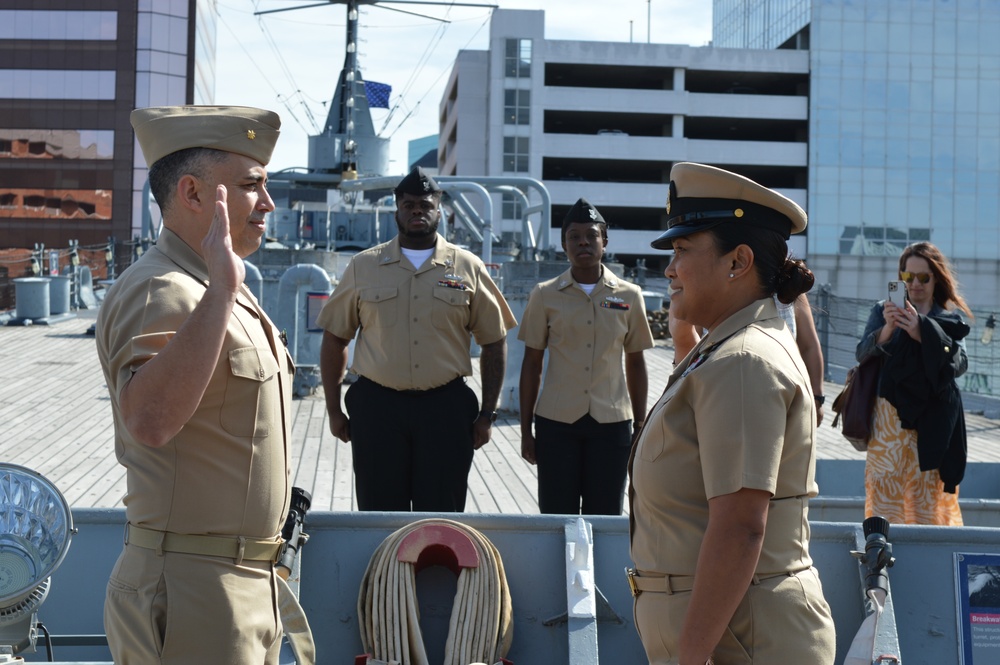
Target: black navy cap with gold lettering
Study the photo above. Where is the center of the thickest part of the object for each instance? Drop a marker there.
(418, 183)
(703, 196)
(244, 130)
(583, 212)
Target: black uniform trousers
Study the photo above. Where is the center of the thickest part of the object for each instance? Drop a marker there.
(412, 450)
(582, 466)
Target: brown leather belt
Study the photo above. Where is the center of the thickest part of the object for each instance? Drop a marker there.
(671, 584)
(230, 547)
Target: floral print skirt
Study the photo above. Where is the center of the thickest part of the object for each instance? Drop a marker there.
(895, 488)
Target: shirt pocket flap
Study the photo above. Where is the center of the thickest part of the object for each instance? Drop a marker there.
(378, 294)
(452, 296)
(250, 363)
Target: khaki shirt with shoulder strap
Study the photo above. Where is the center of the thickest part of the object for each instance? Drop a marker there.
(226, 473)
(738, 413)
(416, 323)
(586, 336)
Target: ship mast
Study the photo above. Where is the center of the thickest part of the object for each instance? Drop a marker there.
(348, 143)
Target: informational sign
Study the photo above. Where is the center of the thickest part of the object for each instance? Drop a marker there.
(978, 585)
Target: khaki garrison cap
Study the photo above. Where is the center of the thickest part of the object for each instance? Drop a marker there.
(247, 131)
(703, 196)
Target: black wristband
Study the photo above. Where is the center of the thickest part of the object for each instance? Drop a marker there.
(492, 415)
(820, 399)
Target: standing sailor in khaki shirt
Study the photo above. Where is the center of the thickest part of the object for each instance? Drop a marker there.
(724, 467)
(200, 389)
(589, 320)
(414, 303)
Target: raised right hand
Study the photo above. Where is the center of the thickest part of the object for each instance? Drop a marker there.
(226, 270)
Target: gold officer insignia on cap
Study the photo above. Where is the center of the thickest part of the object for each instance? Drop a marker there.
(738, 212)
(668, 205)
(251, 134)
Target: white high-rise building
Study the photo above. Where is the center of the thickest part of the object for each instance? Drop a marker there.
(606, 121)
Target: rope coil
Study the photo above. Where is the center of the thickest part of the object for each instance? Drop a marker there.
(480, 629)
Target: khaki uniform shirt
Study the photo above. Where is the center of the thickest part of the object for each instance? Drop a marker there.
(586, 337)
(737, 413)
(415, 324)
(227, 471)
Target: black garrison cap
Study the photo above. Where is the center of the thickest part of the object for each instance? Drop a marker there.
(703, 196)
(418, 183)
(583, 212)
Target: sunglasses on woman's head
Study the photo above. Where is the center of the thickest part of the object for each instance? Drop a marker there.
(922, 277)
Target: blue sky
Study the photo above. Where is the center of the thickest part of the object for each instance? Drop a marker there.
(289, 61)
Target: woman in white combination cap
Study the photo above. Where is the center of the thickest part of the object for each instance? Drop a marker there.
(722, 471)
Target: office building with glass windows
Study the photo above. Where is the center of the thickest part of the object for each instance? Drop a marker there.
(71, 71)
(904, 129)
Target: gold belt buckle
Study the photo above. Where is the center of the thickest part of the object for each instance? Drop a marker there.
(630, 576)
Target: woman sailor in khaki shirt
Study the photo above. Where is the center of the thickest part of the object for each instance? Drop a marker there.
(588, 319)
(724, 467)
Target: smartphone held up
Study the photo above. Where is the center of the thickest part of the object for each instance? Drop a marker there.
(897, 294)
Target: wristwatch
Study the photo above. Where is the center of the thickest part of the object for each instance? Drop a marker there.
(820, 399)
(492, 415)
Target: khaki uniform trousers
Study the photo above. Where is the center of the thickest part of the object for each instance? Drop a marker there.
(185, 608)
(781, 620)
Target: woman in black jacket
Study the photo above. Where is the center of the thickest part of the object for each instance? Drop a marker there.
(916, 456)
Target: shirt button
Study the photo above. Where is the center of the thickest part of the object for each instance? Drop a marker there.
(589, 322)
(416, 367)
(415, 297)
(415, 342)
(588, 346)
(414, 319)
(586, 369)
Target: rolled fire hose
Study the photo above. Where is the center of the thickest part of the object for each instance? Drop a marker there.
(480, 629)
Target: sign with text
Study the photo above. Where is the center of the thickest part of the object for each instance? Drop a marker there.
(978, 588)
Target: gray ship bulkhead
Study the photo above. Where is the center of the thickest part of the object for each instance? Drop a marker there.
(333, 562)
